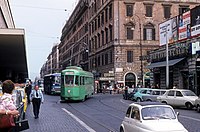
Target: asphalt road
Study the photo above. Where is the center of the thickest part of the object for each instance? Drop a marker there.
(101, 113)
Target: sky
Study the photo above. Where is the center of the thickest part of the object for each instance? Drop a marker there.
(42, 21)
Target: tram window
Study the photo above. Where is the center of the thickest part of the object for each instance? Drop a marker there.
(76, 80)
(69, 79)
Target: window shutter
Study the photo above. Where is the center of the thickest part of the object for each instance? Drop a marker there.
(144, 34)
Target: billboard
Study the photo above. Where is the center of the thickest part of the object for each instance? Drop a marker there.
(168, 31)
(184, 26)
(195, 21)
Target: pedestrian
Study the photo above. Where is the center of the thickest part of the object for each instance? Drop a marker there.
(126, 92)
(110, 88)
(7, 103)
(37, 98)
(28, 89)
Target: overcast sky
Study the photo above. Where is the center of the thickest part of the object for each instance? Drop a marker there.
(42, 21)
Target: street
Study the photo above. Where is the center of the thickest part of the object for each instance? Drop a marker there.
(101, 113)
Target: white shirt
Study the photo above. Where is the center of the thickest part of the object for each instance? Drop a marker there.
(40, 94)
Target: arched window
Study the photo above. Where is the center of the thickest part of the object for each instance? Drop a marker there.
(149, 32)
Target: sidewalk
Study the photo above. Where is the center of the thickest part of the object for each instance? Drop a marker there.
(52, 119)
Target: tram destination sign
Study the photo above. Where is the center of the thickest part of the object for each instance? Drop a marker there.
(69, 73)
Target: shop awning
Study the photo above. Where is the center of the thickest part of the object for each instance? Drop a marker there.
(163, 63)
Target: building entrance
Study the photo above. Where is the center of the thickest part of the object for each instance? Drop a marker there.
(130, 80)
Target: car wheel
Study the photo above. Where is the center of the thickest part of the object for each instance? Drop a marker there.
(164, 102)
(149, 100)
(189, 105)
(139, 100)
(121, 129)
(198, 108)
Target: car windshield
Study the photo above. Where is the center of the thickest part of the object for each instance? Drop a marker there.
(157, 112)
(188, 93)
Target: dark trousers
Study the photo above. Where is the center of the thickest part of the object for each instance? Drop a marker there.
(36, 106)
(28, 97)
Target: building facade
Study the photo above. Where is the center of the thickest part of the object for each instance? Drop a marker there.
(183, 53)
(116, 34)
(13, 62)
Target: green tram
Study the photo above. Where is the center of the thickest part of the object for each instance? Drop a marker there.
(76, 84)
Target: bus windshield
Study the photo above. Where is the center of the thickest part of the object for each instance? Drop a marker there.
(69, 79)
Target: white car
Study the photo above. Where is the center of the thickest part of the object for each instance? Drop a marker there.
(179, 97)
(151, 117)
(197, 104)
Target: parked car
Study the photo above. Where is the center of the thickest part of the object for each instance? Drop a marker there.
(139, 92)
(197, 104)
(179, 97)
(153, 95)
(151, 117)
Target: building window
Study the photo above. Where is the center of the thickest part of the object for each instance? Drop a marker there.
(102, 18)
(106, 15)
(149, 9)
(99, 40)
(111, 33)
(102, 37)
(106, 59)
(99, 61)
(110, 11)
(149, 32)
(129, 33)
(102, 60)
(183, 9)
(99, 21)
(167, 12)
(106, 30)
(129, 10)
(129, 56)
(111, 57)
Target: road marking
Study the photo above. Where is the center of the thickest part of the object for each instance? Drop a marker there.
(79, 121)
(189, 118)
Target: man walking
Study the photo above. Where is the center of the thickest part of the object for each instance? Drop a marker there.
(37, 98)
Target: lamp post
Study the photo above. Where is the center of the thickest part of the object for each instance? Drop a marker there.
(140, 44)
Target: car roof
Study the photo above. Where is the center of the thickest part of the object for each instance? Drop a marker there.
(179, 90)
(146, 103)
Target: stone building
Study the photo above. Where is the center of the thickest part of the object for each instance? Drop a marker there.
(109, 37)
(183, 53)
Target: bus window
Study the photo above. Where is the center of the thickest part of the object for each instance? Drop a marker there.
(57, 80)
(76, 80)
(69, 79)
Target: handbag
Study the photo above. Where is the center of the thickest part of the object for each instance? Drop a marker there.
(21, 125)
(7, 121)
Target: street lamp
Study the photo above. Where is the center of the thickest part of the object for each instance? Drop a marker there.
(140, 43)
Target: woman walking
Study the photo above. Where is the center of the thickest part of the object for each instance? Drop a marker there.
(37, 98)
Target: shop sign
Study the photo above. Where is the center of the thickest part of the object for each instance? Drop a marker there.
(119, 69)
(108, 74)
(106, 78)
(195, 47)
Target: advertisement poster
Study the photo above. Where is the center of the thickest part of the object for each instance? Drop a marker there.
(165, 32)
(184, 26)
(195, 21)
(174, 29)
